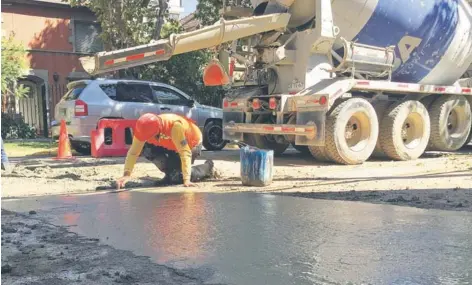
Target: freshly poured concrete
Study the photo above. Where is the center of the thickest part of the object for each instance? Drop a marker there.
(247, 238)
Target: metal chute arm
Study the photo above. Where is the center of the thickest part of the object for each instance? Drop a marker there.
(161, 50)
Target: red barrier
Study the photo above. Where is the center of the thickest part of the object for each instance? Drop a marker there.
(118, 146)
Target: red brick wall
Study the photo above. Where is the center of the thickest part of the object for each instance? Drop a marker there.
(44, 28)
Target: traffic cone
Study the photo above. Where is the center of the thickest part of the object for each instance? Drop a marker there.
(63, 151)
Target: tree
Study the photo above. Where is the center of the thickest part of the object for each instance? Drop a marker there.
(14, 66)
(184, 71)
(126, 23)
(208, 10)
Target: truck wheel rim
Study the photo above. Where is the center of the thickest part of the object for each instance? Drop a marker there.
(453, 123)
(357, 131)
(412, 130)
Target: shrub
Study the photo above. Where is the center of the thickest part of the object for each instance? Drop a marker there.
(15, 127)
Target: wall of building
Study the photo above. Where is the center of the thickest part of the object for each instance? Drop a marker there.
(175, 8)
(48, 35)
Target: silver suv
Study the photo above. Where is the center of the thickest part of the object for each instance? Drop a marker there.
(88, 101)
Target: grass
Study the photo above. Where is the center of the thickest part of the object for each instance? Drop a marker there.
(46, 148)
(30, 148)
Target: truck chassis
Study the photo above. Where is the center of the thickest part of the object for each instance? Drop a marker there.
(311, 122)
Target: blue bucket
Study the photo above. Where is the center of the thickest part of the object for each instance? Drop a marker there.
(256, 166)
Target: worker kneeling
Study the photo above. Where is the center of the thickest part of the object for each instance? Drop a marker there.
(172, 142)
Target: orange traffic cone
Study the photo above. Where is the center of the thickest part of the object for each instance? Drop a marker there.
(63, 151)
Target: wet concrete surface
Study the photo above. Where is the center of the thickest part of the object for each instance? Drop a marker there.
(248, 238)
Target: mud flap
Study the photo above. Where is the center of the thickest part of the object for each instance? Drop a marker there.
(317, 118)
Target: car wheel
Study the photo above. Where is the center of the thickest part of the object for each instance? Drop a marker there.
(213, 136)
(81, 147)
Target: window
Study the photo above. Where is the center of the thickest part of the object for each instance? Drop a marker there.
(87, 37)
(174, 16)
(167, 96)
(110, 90)
(133, 92)
(74, 93)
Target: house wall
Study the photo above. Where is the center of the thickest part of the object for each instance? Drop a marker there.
(48, 34)
(175, 8)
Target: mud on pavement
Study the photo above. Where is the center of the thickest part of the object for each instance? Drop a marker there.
(437, 180)
(36, 252)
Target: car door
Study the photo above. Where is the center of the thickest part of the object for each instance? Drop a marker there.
(170, 100)
(135, 99)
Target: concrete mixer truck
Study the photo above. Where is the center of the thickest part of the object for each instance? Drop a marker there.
(342, 80)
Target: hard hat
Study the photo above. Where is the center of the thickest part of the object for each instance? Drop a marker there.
(147, 126)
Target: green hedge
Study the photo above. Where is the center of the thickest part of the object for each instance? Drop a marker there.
(15, 127)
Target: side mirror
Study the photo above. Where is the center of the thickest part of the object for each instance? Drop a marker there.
(191, 103)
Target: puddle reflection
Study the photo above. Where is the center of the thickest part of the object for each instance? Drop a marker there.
(179, 228)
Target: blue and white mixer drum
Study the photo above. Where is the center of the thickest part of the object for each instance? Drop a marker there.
(433, 38)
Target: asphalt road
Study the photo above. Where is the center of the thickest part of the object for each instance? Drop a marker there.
(248, 238)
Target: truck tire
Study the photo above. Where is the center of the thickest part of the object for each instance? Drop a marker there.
(249, 139)
(268, 141)
(450, 123)
(405, 130)
(380, 108)
(264, 142)
(319, 153)
(301, 148)
(469, 139)
(352, 128)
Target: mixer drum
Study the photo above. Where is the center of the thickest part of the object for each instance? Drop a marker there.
(433, 38)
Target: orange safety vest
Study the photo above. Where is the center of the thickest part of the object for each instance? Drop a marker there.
(193, 135)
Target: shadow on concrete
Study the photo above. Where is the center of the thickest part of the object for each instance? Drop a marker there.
(293, 158)
(319, 181)
(454, 199)
(451, 199)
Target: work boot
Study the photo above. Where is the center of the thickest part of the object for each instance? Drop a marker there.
(202, 171)
(214, 173)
